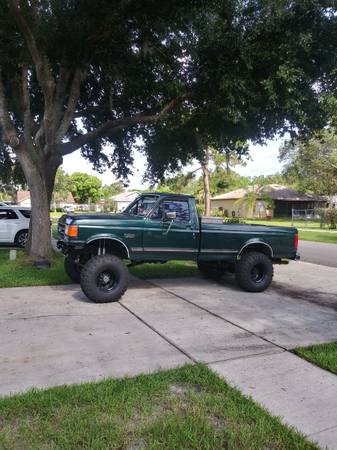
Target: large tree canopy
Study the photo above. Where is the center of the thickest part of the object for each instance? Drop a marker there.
(312, 164)
(78, 74)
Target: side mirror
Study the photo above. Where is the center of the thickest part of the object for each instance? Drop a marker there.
(169, 216)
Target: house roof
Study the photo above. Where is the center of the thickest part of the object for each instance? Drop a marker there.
(274, 191)
(232, 195)
(21, 196)
(279, 192)
(69, 199)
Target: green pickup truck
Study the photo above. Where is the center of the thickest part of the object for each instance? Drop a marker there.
(158, 227)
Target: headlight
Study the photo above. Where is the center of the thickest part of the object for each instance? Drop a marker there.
(71, 230)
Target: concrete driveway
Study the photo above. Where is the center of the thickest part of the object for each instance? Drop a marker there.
(53, 335)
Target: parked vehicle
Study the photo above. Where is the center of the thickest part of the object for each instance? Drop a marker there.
(158, 227)
(69, 208)
(14, 224)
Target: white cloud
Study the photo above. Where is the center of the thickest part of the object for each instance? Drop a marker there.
(264, 159)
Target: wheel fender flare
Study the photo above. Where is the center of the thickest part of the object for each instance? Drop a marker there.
(110, 237)
(252, 242)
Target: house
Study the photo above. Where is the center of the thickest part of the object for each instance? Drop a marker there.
(284, 200)
(124, 199)
(23, 199)
(229, 203)
(62, 202)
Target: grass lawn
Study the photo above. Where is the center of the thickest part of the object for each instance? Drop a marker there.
(182, 408)
(21, 273)
(286, 223)
(323, 355)
(309, 232)
(318, 236)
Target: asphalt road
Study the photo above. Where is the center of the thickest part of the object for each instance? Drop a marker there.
(318, 253)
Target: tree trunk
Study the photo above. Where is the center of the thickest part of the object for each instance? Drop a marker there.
(205, 175)
(40, 184)
(228, 159)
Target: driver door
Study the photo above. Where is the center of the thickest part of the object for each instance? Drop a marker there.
(165, 239)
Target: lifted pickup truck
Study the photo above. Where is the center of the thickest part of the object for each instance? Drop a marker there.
(158, 227)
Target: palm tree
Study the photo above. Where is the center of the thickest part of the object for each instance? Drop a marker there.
(253, 195)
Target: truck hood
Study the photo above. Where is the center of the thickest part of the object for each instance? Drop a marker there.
(70, 218)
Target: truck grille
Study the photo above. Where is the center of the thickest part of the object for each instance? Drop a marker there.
(61, 228)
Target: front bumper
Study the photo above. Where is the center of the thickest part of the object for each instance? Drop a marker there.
(68, 247)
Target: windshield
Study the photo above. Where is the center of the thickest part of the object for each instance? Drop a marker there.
(142, 205)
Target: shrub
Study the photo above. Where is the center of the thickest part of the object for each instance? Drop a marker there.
(328, 217)
(234, 220)
(226, 219)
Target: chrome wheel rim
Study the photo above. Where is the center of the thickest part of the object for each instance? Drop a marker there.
(22, 239)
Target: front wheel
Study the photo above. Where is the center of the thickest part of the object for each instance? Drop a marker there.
(254, 272)
(104, 279)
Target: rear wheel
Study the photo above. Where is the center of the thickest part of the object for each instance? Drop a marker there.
(254, 272)
(21, 238)
(72, 269)
(104, 279)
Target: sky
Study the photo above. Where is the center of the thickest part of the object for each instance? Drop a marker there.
(264, 161)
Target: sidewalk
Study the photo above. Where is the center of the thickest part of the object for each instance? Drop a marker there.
(303, 395)
(54, 335)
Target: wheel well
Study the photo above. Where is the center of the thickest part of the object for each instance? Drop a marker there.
(106, 246)
(257, 247)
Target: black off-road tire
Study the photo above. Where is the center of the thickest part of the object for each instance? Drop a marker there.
(254, 272)
(93, 278)
(72, 269)
(211, 270)
(21, 238)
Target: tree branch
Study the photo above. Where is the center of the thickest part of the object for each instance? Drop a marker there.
(10, 134)
(27, 117)
(61, 87)
(39, 59)
(71, 106)
(111, 127)
(43, 73)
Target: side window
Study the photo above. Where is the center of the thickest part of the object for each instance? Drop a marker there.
(142, 206)
(180, 207)
(11, 214)
(6, 214)
(26, 213)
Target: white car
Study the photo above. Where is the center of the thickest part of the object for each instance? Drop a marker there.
(14, 224)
